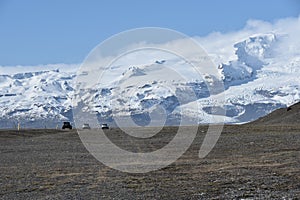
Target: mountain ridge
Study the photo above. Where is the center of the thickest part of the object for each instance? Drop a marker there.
(258, 81)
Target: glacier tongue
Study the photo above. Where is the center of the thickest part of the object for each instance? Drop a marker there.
(259, 80)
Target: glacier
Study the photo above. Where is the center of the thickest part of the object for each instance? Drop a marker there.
(259, 79)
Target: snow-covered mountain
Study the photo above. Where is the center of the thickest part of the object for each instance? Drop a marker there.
(260, 79)
(36, 98)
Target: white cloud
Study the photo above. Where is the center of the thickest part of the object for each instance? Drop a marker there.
(23, 69)
(218, 45)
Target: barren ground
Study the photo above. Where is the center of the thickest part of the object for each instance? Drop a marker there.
(248, 162)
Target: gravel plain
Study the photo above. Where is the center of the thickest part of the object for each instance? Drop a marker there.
(248, 162)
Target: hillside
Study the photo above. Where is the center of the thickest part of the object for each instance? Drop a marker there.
(289, 115)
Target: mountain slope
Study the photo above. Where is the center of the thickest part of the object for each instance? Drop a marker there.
(36, 99)
(288, 115)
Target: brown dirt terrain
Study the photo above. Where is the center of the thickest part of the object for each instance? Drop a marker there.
(289, 115)
(248, 162)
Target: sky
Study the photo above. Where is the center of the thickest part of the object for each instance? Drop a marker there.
(37, 32)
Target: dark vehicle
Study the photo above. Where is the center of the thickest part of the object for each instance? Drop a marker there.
(67, 125)
(104, 126)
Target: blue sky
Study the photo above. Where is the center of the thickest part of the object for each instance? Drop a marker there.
(56, 31)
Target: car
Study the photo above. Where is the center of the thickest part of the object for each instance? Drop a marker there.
(86, 126)
(67, 125)
(104, 126)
